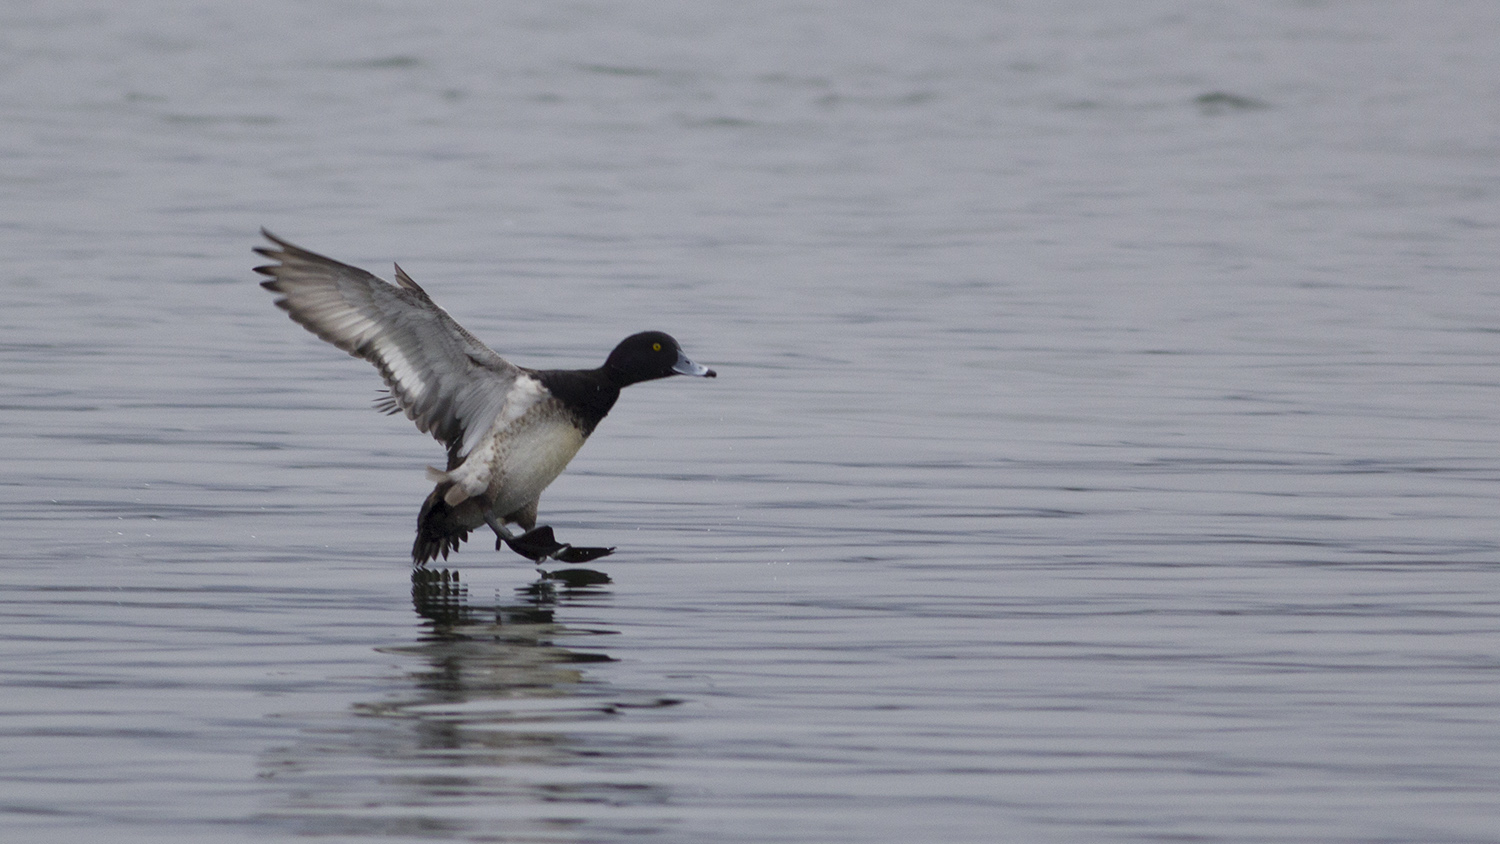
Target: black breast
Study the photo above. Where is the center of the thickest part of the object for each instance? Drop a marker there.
(587, 394)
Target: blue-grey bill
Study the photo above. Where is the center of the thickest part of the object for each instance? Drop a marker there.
(687, 367)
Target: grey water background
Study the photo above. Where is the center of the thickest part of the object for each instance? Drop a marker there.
(1104, 447)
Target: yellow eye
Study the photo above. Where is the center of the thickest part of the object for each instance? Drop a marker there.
(655, 347)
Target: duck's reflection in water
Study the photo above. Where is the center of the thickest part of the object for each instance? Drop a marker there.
(496, 723)
(503, 659)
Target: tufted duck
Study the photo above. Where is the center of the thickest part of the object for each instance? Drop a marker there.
(509, 430)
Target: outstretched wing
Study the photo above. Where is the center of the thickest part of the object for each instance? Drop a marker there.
(440, 375)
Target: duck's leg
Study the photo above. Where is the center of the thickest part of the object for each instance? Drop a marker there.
(502, 533)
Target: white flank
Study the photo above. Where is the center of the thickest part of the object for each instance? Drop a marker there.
(524, 451)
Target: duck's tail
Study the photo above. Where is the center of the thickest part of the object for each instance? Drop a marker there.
(442, 527)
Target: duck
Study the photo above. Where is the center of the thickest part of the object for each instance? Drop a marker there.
(509, 430)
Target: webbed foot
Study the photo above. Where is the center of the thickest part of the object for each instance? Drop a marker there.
(540, 544)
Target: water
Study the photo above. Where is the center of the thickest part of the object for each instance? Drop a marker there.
(1104, 446)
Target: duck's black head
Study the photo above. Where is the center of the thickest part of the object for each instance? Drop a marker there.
(648, 356)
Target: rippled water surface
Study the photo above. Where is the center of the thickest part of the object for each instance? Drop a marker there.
(1104, 447)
